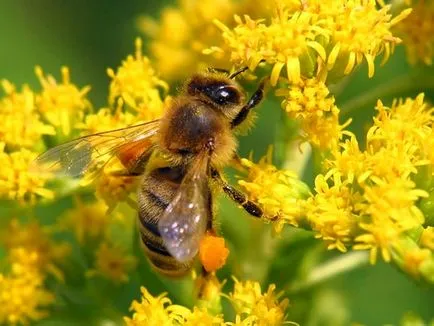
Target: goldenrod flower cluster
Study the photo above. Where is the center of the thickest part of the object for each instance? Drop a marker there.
(373, 193)
(417, 31)
(61, 111)
(32, 257)
(252, 307)
(370, 199)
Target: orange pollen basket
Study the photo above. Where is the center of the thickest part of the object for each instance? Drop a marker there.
(213, 252)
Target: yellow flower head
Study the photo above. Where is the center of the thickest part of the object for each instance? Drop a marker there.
(61, 104)
(427, 238)
(278, 192)
(333, 212)
(16, 181)
(182, 34)
(358, 30)
(316, 37)
(20, 123)
(112, 188)
(137, 84)
(201, 317)
(156, 311)
(209, 291)
(248, 300)
(405, 126)
(105, 119)
(252, 307)
(112, 263)
(37, 243)
(370, 199)
(414, 261)
(89, 222)
(417, 32)
(291, 40)
(23, 298)
(309, 101)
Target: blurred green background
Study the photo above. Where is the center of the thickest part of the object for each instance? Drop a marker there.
(90, 36)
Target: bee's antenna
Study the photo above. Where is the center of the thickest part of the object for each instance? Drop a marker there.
(239, 71)
(213, 69)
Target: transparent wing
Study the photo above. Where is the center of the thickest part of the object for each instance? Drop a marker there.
(185, 219)
(89, 154)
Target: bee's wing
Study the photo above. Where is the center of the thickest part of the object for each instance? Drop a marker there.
(89, 154)
(184, 222)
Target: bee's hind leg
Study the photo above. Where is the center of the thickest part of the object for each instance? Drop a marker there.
(238, 196)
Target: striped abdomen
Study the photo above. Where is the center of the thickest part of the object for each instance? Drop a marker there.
(157, 190)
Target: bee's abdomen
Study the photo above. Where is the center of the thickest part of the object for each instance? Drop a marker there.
(156, 192)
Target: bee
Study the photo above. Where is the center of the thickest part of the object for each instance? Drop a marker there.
(196, 138)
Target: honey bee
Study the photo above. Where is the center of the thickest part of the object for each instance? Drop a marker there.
(196, 138)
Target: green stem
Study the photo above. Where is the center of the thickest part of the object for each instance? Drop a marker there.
(395, 87)
(330, 269)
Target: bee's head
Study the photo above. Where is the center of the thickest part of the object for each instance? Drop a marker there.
(219, 90)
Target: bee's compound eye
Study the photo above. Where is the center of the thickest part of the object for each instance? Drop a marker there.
(225, 95)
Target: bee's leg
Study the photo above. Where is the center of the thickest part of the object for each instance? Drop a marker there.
(253, 101)
(237, 196)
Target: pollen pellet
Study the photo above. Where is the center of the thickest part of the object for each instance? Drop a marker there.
(213, 252)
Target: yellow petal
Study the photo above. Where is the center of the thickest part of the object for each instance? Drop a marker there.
(371, 66)
(333, 56)
(275, 73)
(293, 69)
(318, 48)
(351, 63)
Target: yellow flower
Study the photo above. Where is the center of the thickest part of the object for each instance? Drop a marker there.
(370, 199)
(16, 181)
(248, 300)
(156, 311)
(20, 124)
(309, 101)
(106, 120)
(32, 237)
(358, 29)
(112, 262)
(406, 126)
(332, 212)
(239, 321)
(417, 32)
(137, 84)
(113, 189)
(183, 32)
(209, 291)
(201, 317)
(23, 298)
(316, 37)
(427, 238)
(278, 192)
(252, 307)
(89, 221)
(291, 40)
(414, 260)
(412, 319)
(61, 104)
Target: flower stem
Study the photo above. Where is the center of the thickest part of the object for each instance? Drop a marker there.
(396, 87)
(330, 269)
